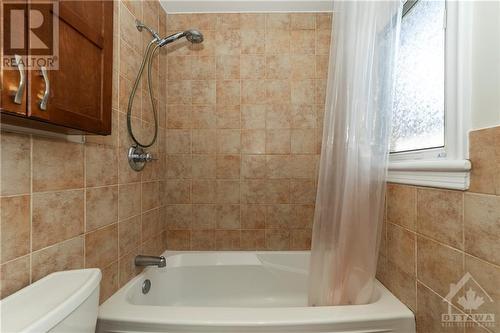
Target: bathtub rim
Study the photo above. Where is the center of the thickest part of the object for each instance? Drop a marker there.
(117, 309)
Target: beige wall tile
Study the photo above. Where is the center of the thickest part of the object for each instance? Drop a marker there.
(227, 192)
(227, 240)
(300, 239)
(253, 116)
(151, 225)
(253, 91)
(251, 42)
(127, 268)
(438, 265)
(430, 307)
(203, 240)
(303, 21)
(203, 191)
(485, 156)
(228, 117)
(303, 191)
(204, 166)
(302, 216)
(179, 166)
(178, 217)
(402, 285)
(228, 67)
(66, 255)
(253, 239)
(14, 275)
(277, 239)
(109, 282)
(178, 191)
(440, 215)
(257, 142)
(251, 21)
(303, 42)
(253, 166)
(15, 170)
(204, 116)
(57, 216)
(228, 217)
(204, 141)
(98, 173)
(179, 239)
(482, 227)
(401, 248)
(15, 226)
(253, 216)
(228, 141)
(277, 21)
(278, 141)
(129, 201)
(303, 141)
(487, 275)
(129, 235)
(401, 205)
(228, 166)
(324, 21)
(252, 66)
(52, 169)
(150, 195)
(253, 141)
(203, 92)
(101, 207)
(101, 247)
(179, 116)
(278, 217)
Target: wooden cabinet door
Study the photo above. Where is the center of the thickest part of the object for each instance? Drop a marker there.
(13, 80)
(80, 89)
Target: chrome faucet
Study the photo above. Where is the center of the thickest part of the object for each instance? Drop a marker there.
(141, 260)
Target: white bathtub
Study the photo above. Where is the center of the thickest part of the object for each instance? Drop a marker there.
(241, 292)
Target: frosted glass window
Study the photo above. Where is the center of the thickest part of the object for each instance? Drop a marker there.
(418, 115)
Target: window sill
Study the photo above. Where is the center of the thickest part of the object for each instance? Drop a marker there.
(449, 174)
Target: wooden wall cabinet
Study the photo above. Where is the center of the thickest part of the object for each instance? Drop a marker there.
(79, 93)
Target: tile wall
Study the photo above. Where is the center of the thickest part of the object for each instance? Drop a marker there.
(433, 237)
(244, 120)
(67, 205)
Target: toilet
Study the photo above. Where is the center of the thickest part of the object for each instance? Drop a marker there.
(65, 301)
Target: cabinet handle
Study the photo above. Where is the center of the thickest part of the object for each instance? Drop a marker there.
(18, 97)
(45, 97)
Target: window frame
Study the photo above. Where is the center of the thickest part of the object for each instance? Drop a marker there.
(447, 166)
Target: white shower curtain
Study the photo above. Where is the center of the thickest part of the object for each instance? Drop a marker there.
(351, 189)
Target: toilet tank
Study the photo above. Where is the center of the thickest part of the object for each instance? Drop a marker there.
(65, 301)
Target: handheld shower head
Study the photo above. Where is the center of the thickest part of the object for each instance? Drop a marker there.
(194, 36)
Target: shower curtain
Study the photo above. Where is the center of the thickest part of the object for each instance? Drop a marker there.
(351, 188)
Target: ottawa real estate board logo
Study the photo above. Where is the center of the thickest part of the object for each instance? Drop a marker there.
(469, 305)
(30, 34)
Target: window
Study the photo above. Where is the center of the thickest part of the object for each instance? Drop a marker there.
(431, 114)
(419, 107)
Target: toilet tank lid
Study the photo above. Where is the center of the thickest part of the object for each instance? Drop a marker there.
(45, 303)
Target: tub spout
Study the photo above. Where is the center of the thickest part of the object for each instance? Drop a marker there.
(141, 260)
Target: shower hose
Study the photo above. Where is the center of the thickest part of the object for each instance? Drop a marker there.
(146, 60)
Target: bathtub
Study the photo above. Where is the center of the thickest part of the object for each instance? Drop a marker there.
(241, 292)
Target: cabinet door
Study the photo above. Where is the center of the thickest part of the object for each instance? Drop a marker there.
(80, 89)
(14, 76)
